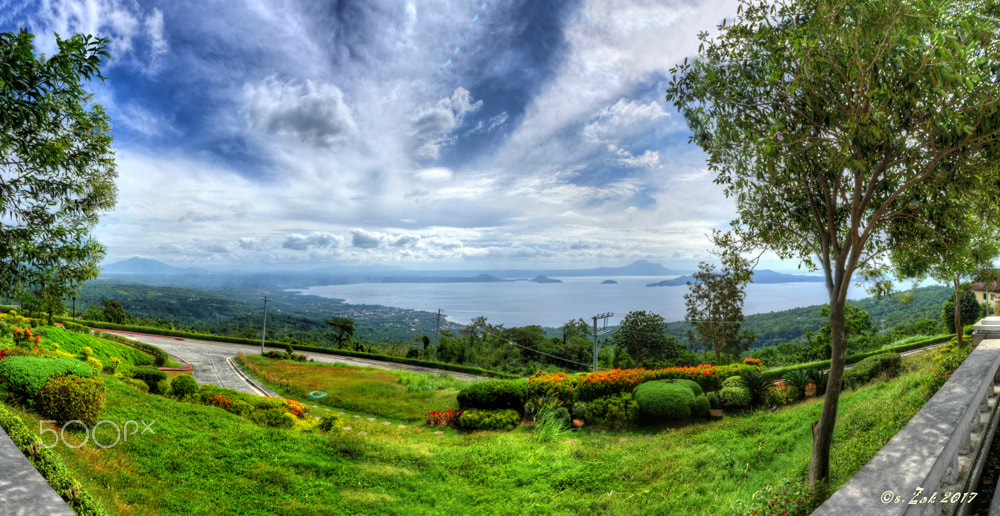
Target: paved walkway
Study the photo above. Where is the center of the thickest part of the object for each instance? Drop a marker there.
(23, 491)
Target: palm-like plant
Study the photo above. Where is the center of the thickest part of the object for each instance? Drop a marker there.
(799, 379)
(759, 384)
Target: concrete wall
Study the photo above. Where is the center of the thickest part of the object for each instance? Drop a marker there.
(936, 459)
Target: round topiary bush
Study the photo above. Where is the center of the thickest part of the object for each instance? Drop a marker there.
(734, 392)
(700, 406)
(65, 398)
(183, 385)
(580, 410)
(95, 365)
(662, 399)
(713, 400)
(151, 375)
(695, 388)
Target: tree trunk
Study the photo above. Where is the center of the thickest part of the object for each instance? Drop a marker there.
(819, 468)
(958, 314)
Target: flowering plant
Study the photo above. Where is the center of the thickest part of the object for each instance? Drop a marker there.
(442, 418)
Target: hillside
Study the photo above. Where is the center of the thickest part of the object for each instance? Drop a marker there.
(775, 328)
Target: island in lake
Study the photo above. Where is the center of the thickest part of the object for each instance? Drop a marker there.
(609, 282)
(759, 277)
(544, 279)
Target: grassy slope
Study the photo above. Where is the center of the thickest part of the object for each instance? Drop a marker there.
(205, 461)
(364, 389)
(73, 342)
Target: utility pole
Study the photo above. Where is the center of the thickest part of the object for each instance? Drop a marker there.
(604, 331)
(263, 331)
(437, 334)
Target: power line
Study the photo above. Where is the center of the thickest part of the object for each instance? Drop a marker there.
(546, 354)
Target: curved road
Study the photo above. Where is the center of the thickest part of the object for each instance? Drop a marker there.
(213, 362)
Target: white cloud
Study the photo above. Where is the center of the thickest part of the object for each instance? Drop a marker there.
(433, 125)
(317, 240)
(312, 113)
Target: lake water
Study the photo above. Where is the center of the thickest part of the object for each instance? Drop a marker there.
(523, 303)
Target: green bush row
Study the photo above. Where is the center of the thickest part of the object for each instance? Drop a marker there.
(475, 419)
(24, 376)
(151, 376)
(857, 357)
(873, 367)
(49, 465)
(494, 395)
(159, 356)
(315, 349)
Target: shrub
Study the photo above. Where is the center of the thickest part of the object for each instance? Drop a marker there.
(137, 384)
(113, 364)
(25, 375)
(700, 406)
(757, 384)
(65, 398)
(799, 379)
(79, 328)
(151, 375)
(883, 364)
(664, 399)
(442, 418)
(95, 365)
(560, 386)
(693, 385)
(551, 424)
(494, 395)
(580, 410)
(86, 352)
(947, 361)
(183, 385)
(713, 400)
(273, 417)
(615, 411)
(734, 392)
(330, 423)
(819, 378)
(476, 419)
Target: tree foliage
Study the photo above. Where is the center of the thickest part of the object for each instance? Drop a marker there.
(714, 305)
(968, 310)
(343, 329)
(848, 133)
(57, 166)
(643, 335)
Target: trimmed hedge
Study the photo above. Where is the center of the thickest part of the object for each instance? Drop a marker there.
(476, 419)
(777, 372)
(494, 394)
(25, 375)
(151, 375)
(65, 398)
(889, 364)
(665, 399)
(159, 356)
(49, 465)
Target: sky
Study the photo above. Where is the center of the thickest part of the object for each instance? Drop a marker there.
(428, 135)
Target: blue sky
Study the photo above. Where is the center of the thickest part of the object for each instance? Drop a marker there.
(424, 134)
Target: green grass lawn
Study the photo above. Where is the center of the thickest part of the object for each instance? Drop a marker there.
(203, 460)
(73, 342)
(373, 391)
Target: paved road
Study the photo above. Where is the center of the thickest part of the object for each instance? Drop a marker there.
(213, 362)
(23, 491)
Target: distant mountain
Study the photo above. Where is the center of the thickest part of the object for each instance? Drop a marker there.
(609, 282)
(759, 277)
(136, 265)
(541, 278)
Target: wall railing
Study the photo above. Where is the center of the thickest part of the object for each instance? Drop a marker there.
(932, 466)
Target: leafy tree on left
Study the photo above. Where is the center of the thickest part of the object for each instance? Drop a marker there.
(57, 168)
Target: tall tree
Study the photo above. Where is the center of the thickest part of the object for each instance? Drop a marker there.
(644, 336)
(343, 328)
(714, 303)
(845, 130)
(57, 166)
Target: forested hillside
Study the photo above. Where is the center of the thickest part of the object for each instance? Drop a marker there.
(775, 328)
